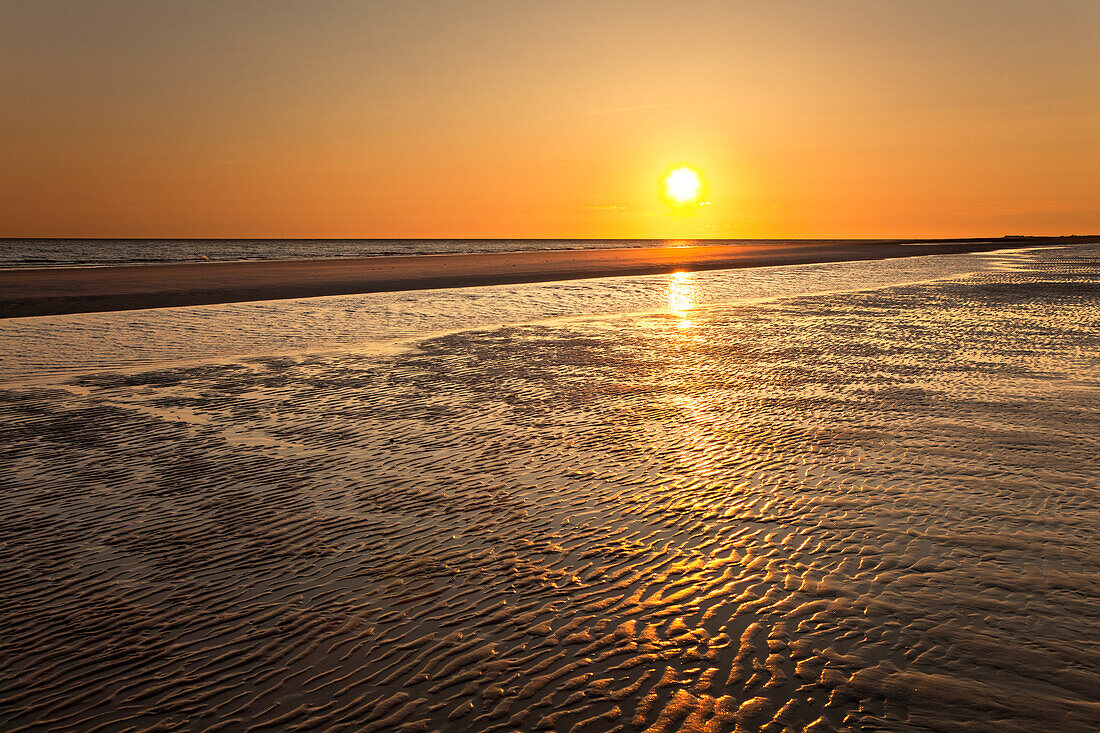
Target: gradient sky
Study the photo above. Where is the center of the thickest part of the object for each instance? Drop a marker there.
(548, 119)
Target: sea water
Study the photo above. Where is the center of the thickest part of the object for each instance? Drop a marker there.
(103, 252)
(49, 345)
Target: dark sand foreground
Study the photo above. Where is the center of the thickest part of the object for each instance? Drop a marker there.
(871, 510)
(38, 292)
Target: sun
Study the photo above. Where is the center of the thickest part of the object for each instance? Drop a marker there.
(683, 186)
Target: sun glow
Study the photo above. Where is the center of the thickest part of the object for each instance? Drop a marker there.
(683, 186)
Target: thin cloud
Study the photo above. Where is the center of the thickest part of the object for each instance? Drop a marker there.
(616, 110)
(189, 162)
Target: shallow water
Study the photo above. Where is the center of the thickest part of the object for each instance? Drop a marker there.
(51, 345)
(868, 510)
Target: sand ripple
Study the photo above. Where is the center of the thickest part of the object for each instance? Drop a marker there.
(868, 511)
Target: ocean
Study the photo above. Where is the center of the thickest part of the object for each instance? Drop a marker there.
(33, 348)
(105, 252)
(839, 497)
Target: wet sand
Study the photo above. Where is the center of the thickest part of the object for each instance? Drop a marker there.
(37, 292)
(860, 511)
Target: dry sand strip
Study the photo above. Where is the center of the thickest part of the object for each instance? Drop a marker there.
(39, 292)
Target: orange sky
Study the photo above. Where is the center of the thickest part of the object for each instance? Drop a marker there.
(548, 119)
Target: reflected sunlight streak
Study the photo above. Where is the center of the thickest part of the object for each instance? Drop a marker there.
(682, 296)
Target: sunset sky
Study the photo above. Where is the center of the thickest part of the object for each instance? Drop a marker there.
(548, 119)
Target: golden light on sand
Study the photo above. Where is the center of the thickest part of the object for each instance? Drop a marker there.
(683, 186)
(681, 297)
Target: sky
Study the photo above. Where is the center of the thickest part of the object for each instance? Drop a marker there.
(473, 119)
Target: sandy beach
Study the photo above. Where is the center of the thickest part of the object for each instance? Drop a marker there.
(38, 292)
(871, 508)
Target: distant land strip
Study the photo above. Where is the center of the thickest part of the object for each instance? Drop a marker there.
(56, 291)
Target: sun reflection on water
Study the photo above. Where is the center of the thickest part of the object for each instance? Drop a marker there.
(682, 296)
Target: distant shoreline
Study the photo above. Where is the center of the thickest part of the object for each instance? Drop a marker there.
(53, 253)
(830, 240)
(63, 290)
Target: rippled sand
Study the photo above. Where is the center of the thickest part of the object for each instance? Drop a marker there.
(862, 511)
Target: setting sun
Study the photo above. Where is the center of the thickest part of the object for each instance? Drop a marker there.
(683, 186)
